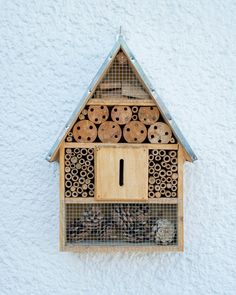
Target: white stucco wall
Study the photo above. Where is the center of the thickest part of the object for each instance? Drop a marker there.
(49, 52)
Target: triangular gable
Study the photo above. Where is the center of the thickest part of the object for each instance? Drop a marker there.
(107, 84)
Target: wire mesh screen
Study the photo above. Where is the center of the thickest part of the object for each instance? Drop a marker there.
(121, 224)
(79, 172)
(121, 82)
(162, 173)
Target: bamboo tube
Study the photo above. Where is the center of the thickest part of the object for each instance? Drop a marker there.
(91, 193)
(168, 166)
(158, 181)
(172, 154)
(151, 163)
(174, 168)
(75, 177)
(67, 157)
(81, 116)
(87, 163)
(168, 185)
(157, 167)
(155, 152)
(68, 151)
(173, 161)
(157, 158)
(173, 194)
(69, 138)
(68, 184)
(151, 187)
(174, 182)
(163, 185)
(81, 161)
(151, 157)
(163, 179)
(77, 151)
(78, 166)
(151, 195)
(85, 112)
(68, 194)
(67, 163)
(74, 160)
(79, 156)
(168, 173)
(162, 191)
(90, 151)
(166, 158)
(76, 184)
(87, 181)
(134, 117)
(72, 166)
(83, 173)
(174, 188)
(157, 188)
(167, 194)
(84, 186)
(67, 169)
(89, 157)
(74, 171)
(79, 190)
(168, 179)
(162, 153)
(134, 109)
(84, 195)
(156, 175)
(68, 176)
(84, 151)
(90, 168)
(90, 175)
(70, 133)
(72, 188)
(172, 140)
(158, 195)
(84, 167)
(151, 170)
(163, 164)
(91, 186)
(81, 180)
(151, 180)
(162, 173)
(175, 176)
(74, 194)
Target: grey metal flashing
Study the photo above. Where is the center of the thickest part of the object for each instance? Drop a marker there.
(120, 43)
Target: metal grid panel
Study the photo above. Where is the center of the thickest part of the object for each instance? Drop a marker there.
(163, 173)
(121, 224)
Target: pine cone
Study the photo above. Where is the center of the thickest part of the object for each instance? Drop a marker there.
(108, 230)
(138, 231)
(163, 231)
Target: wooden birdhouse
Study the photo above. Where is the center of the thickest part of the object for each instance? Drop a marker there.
(121, 164)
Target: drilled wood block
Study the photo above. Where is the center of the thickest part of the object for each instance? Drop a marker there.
(109, 131)
(159, 133)
(148, 115)
(135, 132)
(85, 131)
(121, 114)
(98, 114)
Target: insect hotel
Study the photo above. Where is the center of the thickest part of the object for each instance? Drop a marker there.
(121, 164)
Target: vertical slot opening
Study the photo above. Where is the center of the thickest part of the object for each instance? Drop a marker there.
(121, 173)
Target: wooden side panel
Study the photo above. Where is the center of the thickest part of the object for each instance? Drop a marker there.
(134, 184)
(180, 200)
(62, 199)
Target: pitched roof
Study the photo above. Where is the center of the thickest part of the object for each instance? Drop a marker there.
(121, 44)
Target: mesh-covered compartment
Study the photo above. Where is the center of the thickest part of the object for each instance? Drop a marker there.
(121, 224)
(163, 173)
(79, 172)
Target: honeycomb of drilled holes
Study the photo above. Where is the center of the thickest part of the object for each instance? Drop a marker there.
(151, 224)
(79, 172)
(162, 174)
(124, 124)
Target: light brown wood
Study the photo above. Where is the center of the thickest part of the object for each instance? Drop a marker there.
(109, 85)
(180, 200)
(159, 133)
(135, 184)
(148, 115)
(135, 131)
(109, 131)
(62, 199)
(98, 114)
(130, 102)
(91, 200)
(121, 114)
(134, 91)
(85, 131)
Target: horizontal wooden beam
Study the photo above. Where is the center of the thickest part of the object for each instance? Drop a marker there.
(94, 201)
(112, 102)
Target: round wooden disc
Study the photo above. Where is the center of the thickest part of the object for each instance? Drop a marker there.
(109, 131)
(135, 131)
(98, 114)
(148, 115)
(121, 114)
(85, 131)
(159, 133)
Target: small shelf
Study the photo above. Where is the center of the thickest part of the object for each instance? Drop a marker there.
(112, 102)
(93, 201)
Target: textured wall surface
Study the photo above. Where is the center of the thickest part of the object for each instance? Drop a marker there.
(49, 52)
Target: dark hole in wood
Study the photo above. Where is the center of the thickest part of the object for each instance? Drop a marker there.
(121, 173)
